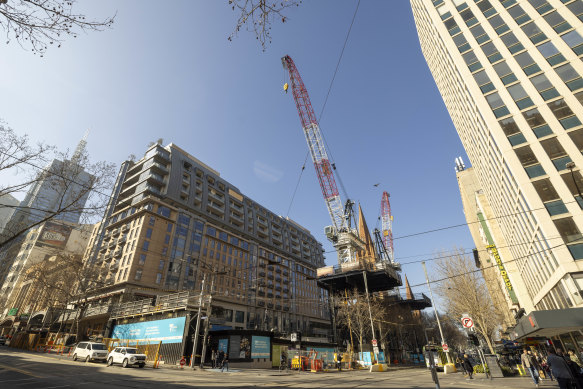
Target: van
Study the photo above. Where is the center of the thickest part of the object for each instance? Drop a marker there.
(90, 351)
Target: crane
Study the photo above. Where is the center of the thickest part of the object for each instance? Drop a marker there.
(387, 225)
(344, 238)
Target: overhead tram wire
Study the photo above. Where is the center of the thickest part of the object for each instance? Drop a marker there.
(125, 202)
(322, 112)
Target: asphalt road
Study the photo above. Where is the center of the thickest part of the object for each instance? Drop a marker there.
(20, 369)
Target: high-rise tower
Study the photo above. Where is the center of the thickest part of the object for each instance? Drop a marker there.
(510, 73)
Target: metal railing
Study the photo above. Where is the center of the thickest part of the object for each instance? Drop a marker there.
(157, 304)
(389, 268)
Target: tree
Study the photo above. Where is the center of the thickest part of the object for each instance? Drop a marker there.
(353, 314)
(37, 24)
(69, 188)
(464, 291)
(258, 16)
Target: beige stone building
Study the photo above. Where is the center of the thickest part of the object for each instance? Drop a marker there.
(177, 223)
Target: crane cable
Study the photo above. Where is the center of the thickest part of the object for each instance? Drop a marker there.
(320, 118)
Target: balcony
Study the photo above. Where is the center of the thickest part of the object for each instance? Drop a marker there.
(108, 257)
(277, 279)
(122, 240)
(124, 228)
(115, 232)
(261, 264)
(103, 248)
(278, 270)
(285, 281)
(285, 290)
(278, 288)
(278, 307)
(111, 244)
(285, 308)
(114, 266)
(156, 179)
(270, 305)
(216, 208)
(269, 295)
(216, 197)
(117, 253)
(261, 303)
(261, 274)
(157, 166)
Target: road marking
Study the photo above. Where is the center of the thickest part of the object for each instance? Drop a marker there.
(22, 371)
(22, 379)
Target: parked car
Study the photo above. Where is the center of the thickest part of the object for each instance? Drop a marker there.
(2, 340)
(127, 356)
(90, 351)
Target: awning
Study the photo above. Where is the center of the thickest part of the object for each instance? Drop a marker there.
(548, 323)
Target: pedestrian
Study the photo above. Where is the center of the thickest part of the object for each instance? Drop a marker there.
(460, 362)
(339, 361)
(225, 362)
(221, 358)
(529, 363)
(214, 358)
(575, 358)
(560, 370)
(468, 366)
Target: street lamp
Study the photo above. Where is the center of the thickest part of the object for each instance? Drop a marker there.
(435, 310)
(571, 166)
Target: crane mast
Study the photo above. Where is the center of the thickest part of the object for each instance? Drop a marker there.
(340, 233)
(387, 225)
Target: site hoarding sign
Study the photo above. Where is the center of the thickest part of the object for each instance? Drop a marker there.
(260, 347)
(54, 235)
(223, 345)
(167, 331)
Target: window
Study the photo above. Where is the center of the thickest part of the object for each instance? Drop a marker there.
(570, 76)
(544, 87)
(526, 156)
(145, 245)
(567, 229)
(564, 114)
(556, 21)
(483, 81)
(468, 17)
(149, 233)
(527, 63)
(519, 96)
(210, 231)
(167, 239)
(486, 8)
(169, 227)
(518, 14)
(239, 317)
(577, 138)
(512, 42)
(536, 121)
(479, 33)
(164, 211)
(504, 72)
(533, 32)
(576, 8)
(574, 40)
(551, 54)
(553, 149)
(142, 259)
(541, 6)
(545, 190)
(498, 24)
(223, 236)
(152, 220)
(161, 264)
(491, 52)
(158, 278)
(472, 61)
(138, 275)
(509, 126)
(452, 26)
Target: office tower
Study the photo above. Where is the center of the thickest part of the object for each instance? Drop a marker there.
(510, 75)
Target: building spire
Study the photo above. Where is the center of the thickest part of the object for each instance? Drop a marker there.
(368, 254)
(80, 147)
(409, 292)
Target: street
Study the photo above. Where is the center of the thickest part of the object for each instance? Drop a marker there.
(20, 369)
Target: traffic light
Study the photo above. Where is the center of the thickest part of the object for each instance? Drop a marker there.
(474, 339)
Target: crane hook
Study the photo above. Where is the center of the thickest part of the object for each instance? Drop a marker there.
(285, 86)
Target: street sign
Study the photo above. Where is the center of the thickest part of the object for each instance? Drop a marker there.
(467, 322)
(374, 342)
(375, 350)
(445, 347)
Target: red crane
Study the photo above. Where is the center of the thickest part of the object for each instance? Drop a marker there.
(345, 239)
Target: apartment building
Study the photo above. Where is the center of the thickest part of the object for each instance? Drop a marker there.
(509, 73)
(176, 224)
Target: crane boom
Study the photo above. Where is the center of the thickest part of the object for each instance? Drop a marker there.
(316, 145)
(387, 225)
(343, 236)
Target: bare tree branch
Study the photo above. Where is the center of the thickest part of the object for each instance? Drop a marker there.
(37, 24)
(258, 16)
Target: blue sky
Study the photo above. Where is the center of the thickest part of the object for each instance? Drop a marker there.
(170, 72)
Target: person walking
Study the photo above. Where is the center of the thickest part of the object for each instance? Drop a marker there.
(468, 366)
(214, 358)
(225, 362)
(560, 370)
(529, 363)
(460, 362)
(575, 358)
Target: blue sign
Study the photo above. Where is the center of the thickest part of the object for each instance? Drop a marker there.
(260, 347)
(223, 345)
(167, 331)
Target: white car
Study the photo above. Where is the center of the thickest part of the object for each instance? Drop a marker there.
(90, 351)
(127, 356)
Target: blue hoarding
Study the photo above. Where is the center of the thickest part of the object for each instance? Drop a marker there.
(167, 331)
(260, 347)
(224, 345)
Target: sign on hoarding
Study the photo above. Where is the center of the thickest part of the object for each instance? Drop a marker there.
(260, 347)
(54, 235)
(224, 345)
(167, 331)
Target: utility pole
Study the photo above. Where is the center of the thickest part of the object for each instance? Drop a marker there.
(370, 313)
(195, 340)
(435, 310)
